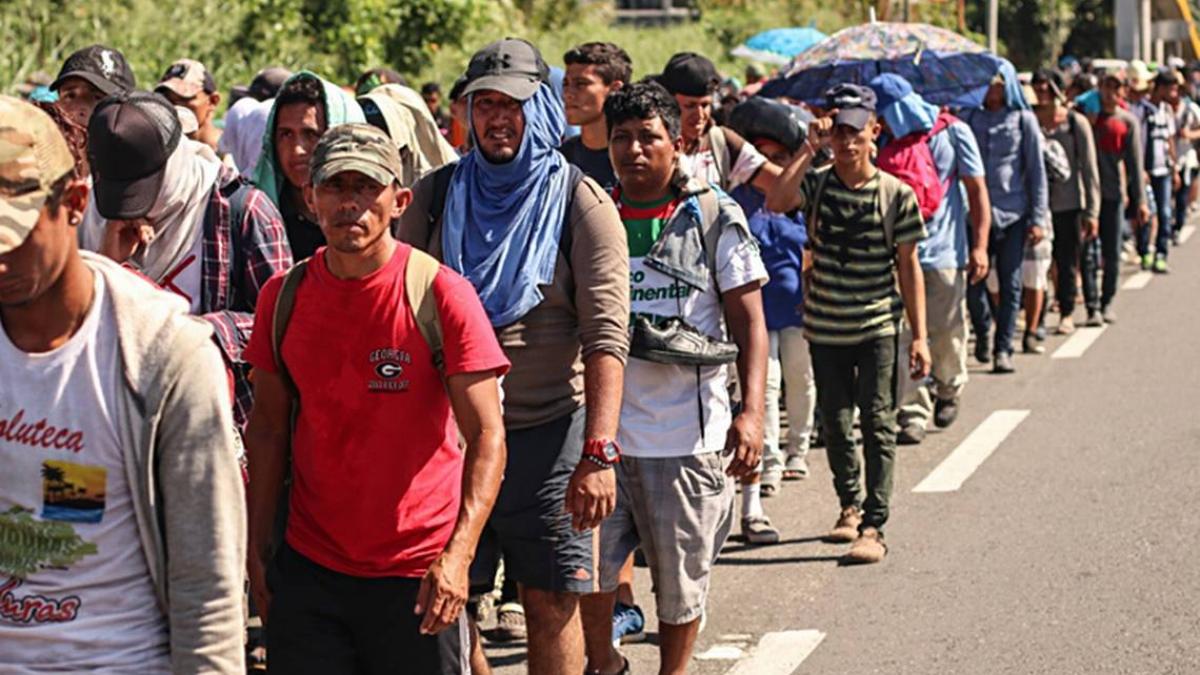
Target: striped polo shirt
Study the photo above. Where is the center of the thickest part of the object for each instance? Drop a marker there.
(853, 296)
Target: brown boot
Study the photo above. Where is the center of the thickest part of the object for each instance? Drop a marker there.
(846, 529)
(867, 549)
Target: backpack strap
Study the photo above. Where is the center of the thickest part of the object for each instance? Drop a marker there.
(236, 192)
(419, 275)
(441, 185)
(889, 199)
(814, 205)
(710, 231)
(719, 146)
(284, 305)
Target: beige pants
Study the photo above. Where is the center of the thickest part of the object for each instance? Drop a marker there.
(789, 363)
(946, 324)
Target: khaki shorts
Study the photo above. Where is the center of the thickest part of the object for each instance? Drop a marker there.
(679, 510)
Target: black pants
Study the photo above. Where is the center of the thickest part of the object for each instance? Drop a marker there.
(323, 621)
(1068, 236)
(862, 375)
(1109, 259)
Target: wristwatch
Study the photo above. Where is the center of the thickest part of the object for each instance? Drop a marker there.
(602, 452)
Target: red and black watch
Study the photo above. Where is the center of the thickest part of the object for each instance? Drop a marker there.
(602, 452)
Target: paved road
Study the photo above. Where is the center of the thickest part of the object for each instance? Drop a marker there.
(1073, 548)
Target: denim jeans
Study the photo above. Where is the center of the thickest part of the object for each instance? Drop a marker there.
(1181, 199)
(1106, 251)
(1007, 249)
(1161, 185)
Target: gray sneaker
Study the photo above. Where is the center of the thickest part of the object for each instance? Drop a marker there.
(795, 468)
(1108, 315)
(758, 531)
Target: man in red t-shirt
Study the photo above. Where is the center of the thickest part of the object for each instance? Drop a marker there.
(385, 510)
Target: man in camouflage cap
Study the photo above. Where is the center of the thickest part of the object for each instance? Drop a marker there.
(385, 510)
(117, 445)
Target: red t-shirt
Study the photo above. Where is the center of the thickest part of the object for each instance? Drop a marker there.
(377, 472)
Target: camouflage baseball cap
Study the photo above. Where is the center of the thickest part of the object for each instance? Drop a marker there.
(33, 157)
(356, 147)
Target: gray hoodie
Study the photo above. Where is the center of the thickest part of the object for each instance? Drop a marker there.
(177, 431)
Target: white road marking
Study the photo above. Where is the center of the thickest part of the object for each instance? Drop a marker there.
(1137, 281)
(1077, 345)
(721, 653)
(779, 653)
(1186, 233)
(972, 452)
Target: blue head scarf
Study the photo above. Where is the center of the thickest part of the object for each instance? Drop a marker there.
(902, 108)
(502, 222)
(1014, 96)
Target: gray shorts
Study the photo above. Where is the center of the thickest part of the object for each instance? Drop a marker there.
(680, 511)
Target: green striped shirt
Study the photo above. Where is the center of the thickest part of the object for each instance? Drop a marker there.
(852, 297)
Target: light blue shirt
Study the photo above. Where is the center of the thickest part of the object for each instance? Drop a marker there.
(956, 155)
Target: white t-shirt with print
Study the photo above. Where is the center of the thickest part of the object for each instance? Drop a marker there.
(75, 591)
(661, 407)
(702, 165)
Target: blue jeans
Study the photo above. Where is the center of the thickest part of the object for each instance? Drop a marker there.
(1161, 185)
(1007, 249)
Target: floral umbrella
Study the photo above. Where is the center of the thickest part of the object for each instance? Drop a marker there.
(778, 45)
(944, 67)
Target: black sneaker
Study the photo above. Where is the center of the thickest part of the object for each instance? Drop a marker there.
(983, 350)
(911, 434)
(945, 411)
(674, 342)
(1003, 364)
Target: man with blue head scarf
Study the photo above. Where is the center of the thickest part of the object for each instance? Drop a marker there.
(547, 253)
(1010, 141)
(952, 255)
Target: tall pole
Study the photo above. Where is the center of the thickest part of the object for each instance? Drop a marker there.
(993, 22)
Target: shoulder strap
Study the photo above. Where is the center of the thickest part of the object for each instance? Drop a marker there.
(437, 204)
(566, 237)
(284, 304)
(718, 145)
(814, 205)
(889, 188)
(419, 275)
(710, 231)
(236, 192)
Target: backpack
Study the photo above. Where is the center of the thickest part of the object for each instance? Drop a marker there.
(1058, 167)
(910, 159)
(236, 192)
(889, 185)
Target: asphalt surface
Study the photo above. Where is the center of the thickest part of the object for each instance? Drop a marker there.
(1073, 549)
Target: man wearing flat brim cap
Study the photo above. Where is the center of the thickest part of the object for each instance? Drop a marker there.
(133, 393)
(373, 574)
(545, 249)
(87, 76)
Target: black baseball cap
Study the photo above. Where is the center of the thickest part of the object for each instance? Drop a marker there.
(855, 104)
(104, 68)
(267, 82)
(1050, 77)
(510, 66)
(131, 135)
(690, 74)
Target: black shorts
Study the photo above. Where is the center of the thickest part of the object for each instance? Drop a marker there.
(529, 525)
(323, 621)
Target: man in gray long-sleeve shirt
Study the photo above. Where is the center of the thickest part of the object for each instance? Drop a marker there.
(1010, 143)
(1118, 142)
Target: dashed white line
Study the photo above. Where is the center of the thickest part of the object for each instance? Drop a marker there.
(1137, 281)
(779, 653)
(972, 452)
(1186, 233)
(1077, 345)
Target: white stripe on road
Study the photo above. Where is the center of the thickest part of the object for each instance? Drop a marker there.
(1186, 233)
(721, 652)
(1077, 345)
(1137, 281)
(972, 452)
(779, 653)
